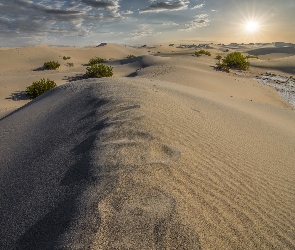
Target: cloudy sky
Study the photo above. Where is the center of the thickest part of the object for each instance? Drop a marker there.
(90, 22)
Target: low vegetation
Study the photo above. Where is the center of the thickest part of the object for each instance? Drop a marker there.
(202, 52)
(250, 56)
(98, 71)
(96, 60)
(234, 60)
(218, 57)
(130, 56)
(70, 64)
(51, 65)
(66, 57)
(39, 87)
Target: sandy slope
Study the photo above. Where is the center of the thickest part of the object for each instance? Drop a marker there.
(177, 157)
(19, 68)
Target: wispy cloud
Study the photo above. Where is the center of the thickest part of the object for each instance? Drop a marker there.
(166, 6)
(201, 20)
(144, 30)
(198, 6)
(127, 12)
(170, 23)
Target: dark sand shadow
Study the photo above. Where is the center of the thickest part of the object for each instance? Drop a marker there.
(65, 224)
(39, 69)
(265, 51)
(18, 96)
(75, 78)
(130, 60)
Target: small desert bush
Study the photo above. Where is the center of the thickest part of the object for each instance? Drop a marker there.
(218, 57)
(66, 57)
(250, 56)
(70, 64)
(234, 60)
(130, 56)
(202, 52)
(39, 87)
(98, 71)
(51, 65)
(96, 60)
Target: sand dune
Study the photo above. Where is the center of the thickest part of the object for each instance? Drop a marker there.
(178, 156)
(284, 64)
(273, 50)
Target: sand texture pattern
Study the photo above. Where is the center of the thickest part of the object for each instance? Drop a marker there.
(167, 154)
(145, 164)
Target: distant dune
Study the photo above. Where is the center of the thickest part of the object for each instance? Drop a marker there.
(265, 51)
(167, 154)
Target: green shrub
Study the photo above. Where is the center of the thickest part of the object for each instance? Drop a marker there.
(250, 56)
(202, 52)
(98, 71)
(222, 67)
(130, 56)
(70, 64)
(39, 87)
(66, 57)
(51, 65)
(96, 60)
(236, 60)
(218, 57)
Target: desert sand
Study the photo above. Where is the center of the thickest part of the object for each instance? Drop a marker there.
(166, 154)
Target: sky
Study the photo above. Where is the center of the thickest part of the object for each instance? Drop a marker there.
(135, 22)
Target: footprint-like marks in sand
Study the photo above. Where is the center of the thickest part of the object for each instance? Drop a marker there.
(131, 214)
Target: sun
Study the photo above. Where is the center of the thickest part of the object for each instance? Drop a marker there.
(252, 26)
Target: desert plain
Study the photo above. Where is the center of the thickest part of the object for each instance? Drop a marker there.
(167, 154)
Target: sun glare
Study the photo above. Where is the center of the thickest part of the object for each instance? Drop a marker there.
(252, 27)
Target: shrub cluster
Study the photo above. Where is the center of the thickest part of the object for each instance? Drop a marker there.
(66, 57)
(98, 71)
(202, 52)
(39, 87)
(234, 60)
(130, 56)
(51, 65)
(96, 60)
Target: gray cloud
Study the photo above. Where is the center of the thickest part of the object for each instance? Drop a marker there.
(62, 12)
(201, 20)
(24, 18)
(103, 4)
(166, 6)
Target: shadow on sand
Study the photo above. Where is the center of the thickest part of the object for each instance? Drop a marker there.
(265, 51)
(18, 96)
